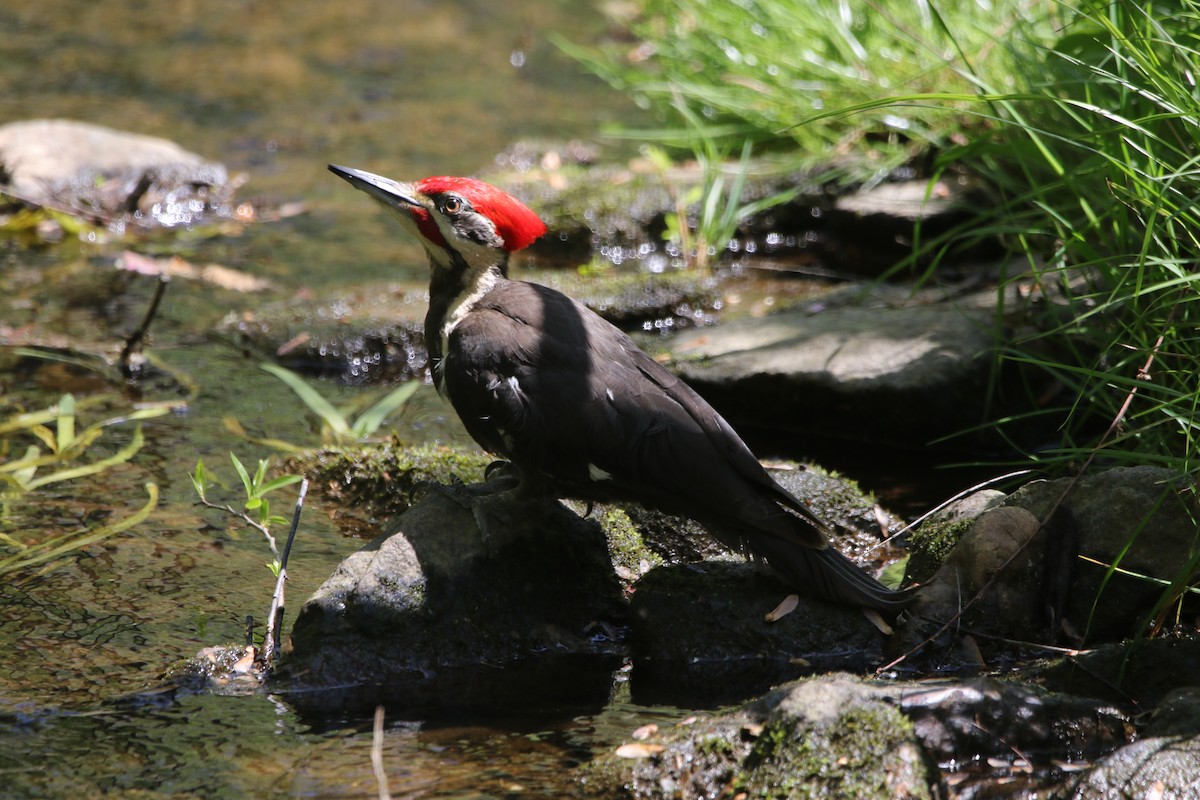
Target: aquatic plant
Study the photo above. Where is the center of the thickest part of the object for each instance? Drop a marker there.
(338, 426)
(63, 445)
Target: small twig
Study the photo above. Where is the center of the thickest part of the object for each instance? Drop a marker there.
(275, 615)
(377, 755)
(968, 491)
(258, 526)
(139, 333)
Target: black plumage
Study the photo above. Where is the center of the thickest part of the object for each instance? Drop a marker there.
(578, 408)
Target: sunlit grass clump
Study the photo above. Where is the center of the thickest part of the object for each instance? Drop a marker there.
(1081, 119)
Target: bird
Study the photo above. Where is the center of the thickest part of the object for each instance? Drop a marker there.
(577, 408)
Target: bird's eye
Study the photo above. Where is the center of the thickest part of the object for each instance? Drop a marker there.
(452, 205)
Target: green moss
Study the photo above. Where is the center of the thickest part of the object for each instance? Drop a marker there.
(853, 758)
(930, 544)
(630, 555)
(383, 476)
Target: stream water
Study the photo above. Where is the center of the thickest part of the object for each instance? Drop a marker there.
(404, 87)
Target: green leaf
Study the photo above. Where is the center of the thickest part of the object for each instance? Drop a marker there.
(121, 456)
(245, 476)
(200, 478)
(315, 402)
(279, 483)
(260, 474)
(371, 419)
(61, 545)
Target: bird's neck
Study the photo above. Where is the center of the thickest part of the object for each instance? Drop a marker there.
(452, 294)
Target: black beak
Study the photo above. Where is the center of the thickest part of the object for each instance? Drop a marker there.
(393, 194)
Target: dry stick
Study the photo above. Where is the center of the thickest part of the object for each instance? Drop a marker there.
(377, 755)
(1142, 374)
(139, 333)
(275, 615)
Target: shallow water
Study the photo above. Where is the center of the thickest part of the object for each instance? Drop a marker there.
(402, 87)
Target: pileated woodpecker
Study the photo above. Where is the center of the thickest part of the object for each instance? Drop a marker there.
(578, 409)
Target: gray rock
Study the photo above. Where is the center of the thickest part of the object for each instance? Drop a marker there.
(884, 374)
(701, 630)
(1162, 768)
(109, 176)
(1045, 575)
(430, 593)
(833, 736)
(841, 736)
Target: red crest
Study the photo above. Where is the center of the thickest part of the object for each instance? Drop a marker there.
(517, 225)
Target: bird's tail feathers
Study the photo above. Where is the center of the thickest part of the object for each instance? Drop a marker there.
(828, 574)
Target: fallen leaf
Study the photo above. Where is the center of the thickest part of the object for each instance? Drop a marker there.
(878, 621)
(645, 732)
(780, 611)
(639, 750)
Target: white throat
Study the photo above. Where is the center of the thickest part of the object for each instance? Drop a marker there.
(480, 281)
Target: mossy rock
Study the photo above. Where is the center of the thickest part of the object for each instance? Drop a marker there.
(829, 737)
(385, 476)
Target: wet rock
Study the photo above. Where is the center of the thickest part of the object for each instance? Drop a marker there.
(431, 593)
(1142, 672)
(617, 213)
(840, 736)
(889, 211)
(700, 630)
(374, 334)
(883, 374)
(640, 302)
(1177, 714)
(1164, 768)
(1165, 761)
(110, 177)
(958, 722)
(834, 737)
(1044, 572)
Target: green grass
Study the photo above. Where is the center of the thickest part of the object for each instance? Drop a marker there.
(758, 70)
(1082, 118)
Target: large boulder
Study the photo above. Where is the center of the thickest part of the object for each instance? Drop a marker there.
(1041, 561)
